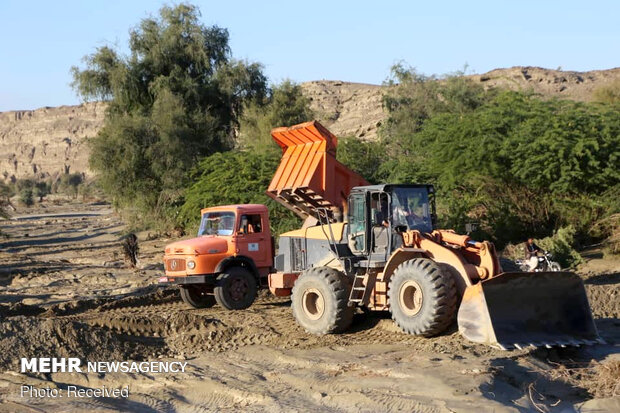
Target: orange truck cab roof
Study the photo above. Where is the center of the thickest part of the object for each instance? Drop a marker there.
(249, 208)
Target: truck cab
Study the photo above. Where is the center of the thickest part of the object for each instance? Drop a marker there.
(228, 260)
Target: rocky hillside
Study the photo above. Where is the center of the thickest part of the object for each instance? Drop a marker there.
(50, 141)
(347, 109)
(564, 84)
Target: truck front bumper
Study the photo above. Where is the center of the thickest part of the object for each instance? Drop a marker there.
(188, 279)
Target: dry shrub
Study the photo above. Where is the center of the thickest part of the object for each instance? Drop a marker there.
(606, 379)
(601, 380)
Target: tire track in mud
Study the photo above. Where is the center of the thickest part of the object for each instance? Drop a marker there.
(158, 324)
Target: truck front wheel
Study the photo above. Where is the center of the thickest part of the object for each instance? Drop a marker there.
(235, 289)
(197, 297)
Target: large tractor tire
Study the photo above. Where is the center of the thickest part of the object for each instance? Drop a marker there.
(197, 297)
(422, 298)
(320, 301)
(235, 289)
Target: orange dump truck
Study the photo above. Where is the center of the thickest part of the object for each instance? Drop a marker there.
(227, 262)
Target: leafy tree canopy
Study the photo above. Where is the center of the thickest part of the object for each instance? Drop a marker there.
(235, 177)
(174, 99)
(284, 105)
(517, 164)
(243, 175)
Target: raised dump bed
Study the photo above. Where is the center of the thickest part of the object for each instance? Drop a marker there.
(309, 176)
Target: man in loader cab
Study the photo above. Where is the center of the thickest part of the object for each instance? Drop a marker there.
(531, 253)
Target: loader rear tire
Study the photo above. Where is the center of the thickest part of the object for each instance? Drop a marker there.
(320, 301)
(235, 289)
(197, 297)
(422, 298)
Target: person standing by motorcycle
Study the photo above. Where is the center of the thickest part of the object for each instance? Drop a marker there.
(531, 253)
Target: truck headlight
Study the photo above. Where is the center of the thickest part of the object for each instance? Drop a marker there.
(191, 265)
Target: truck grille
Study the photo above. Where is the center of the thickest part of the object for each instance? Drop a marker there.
(175, 264)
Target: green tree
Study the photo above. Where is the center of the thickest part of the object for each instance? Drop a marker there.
(235, 177)
(173, 100)
(518, 165)
(5, 199)
(70, 183)
(364, 157)
(284, 105)
(41, 189)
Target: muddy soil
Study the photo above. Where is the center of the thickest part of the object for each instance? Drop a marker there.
(65, 291)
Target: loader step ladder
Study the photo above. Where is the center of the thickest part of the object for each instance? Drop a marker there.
(360, 292)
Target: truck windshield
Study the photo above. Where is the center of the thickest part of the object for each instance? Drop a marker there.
(217, 223)
(410, 208)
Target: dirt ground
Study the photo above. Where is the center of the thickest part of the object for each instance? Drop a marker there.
(65, 292)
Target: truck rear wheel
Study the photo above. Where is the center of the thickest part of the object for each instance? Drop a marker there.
(235, 289)
(422, 298)
(319, 301)
(197, 297)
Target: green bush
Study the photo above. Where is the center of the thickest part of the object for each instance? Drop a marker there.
(284, 105)
(562, 245)
(26, 197)
(236, 177)
(516, 164)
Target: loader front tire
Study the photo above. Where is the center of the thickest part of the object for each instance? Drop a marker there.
(422, 298)
(197, 297)
(320, 301)
(235, 289)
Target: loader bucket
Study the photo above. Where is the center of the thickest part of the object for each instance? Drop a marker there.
(518, 309)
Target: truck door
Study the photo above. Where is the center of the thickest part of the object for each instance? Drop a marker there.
(253, 239)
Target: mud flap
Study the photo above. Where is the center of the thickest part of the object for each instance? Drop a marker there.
(517, 309)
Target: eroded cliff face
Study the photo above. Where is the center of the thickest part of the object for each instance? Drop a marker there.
(578, 86)
(347, 109)
(47, 142)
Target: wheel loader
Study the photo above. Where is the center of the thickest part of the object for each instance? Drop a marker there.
(377, 247)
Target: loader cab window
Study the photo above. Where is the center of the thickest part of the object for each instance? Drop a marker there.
(411, 208)
(357, 223)
(250, 224)
(380, 222)
(217, 223)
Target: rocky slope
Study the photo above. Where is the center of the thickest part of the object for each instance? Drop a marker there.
(50, 141)
(47, 142)
(564, 84)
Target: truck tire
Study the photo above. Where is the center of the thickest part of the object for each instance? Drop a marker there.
(197, 297)
(422, 298)
(235, 289)
(320, 301)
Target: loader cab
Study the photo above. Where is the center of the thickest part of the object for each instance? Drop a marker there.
(378, 214)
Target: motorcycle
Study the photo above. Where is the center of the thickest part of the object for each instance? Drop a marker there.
(545, 264)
